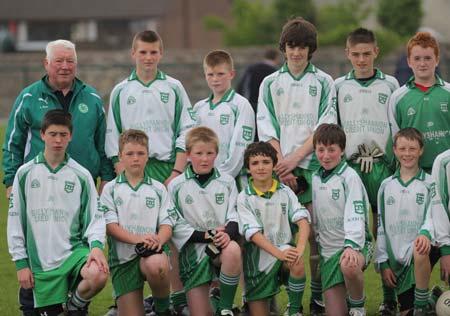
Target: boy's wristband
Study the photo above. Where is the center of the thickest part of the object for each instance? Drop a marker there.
(177, 171)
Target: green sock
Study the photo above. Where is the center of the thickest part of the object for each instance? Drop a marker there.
(389, 294)
(178, 298)
(228, 287)
(316, 290)
(420, 297)
(296, 289)
(356, 303)
(161, 304)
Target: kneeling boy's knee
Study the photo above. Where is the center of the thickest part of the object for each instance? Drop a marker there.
(232, 252)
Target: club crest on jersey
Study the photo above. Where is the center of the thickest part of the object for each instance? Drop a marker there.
(335, 194)
(283, 208)
(280, 91)
(382, 98)
(189, 199)
(348, 98)
(35, 184)
(69, 186)
(420, 197)
(444, 107)
(390, 200)
(358, 207)
(150, 202)
(131, 100)
(313, 90)
(118, 201)
(220, 198)
(247, 133)
(410, 112)
(83, 108)
(224, 119)
(164, 97)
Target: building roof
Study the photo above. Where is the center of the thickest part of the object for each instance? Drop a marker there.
(80, 9)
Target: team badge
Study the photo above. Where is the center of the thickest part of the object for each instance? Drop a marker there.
(358, 207)
(420, 197)
(258, 213)
(118, 201)
(444, 107)
(220, 198)
(35, 184)
(164, 97)
(69, 186)
(247, 133)
(173, 214)
(390, 200)
(224, 119)
(283, 208)
(189, 199)
(313, 90)
(348, 98)
(83, 108)
(280, 91)
(382, 98)
(410, 112)
(335, 194)
(150, 202)
(131, 100)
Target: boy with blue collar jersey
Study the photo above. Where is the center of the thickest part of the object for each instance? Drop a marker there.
(341, 220)
(269, 217)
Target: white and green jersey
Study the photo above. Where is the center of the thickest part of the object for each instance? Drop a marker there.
(362, 110)
(290, 109)
(51, 213)
(274, 214)
(233, 120)
(341, 210)
(441, 216)
(139, 210)
(201, 207)
(405, 211)
(428, 112)
(161, 109)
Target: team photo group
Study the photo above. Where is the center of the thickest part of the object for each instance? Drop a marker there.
(306, 185)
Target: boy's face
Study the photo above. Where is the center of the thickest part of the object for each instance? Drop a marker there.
(260, 168)
(408, 152)
(362, 57)
(134, 158)
(219, 78)
(202, 156)
(423, 62)
(297, 57)
(329, 155)
(56, 138)
(146, 55)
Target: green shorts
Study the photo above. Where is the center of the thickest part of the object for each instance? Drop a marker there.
(263, 286)
(159, 170)
(405, 277)
(127, 277)
(52, 287)
(372, 180)
(330, 270)
(197, 274)
(305, 197)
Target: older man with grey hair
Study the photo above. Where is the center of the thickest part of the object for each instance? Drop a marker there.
(58, 89)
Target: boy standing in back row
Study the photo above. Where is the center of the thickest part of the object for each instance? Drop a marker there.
(362, 99)
(292, 103)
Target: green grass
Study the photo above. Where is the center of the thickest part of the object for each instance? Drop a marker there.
(9, 284)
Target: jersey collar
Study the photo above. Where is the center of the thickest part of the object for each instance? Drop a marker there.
(378, 75)
(41, 159)
(439, 82)
(310, 68)
(338, 170)
(252, 190)
(159, 76)
(227, 97)
(420, 175)
(189, 174)
(121, 178)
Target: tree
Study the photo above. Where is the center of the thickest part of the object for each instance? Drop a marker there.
(401, 16)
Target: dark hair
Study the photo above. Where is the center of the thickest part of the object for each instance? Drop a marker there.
(133, 136)
(299, 32)
(218, 57)
(260, 149)
(361, 35)
(147, 37)
(410, 133)
(329, 134)
(56, 117)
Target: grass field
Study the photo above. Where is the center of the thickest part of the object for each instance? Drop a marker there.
(9, 285)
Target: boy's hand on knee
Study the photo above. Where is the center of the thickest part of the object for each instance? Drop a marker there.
(221, 239)
(422, 245)
(25, 277)
(350, 257)
(389, 278)
(98, 257)
(290, 255)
